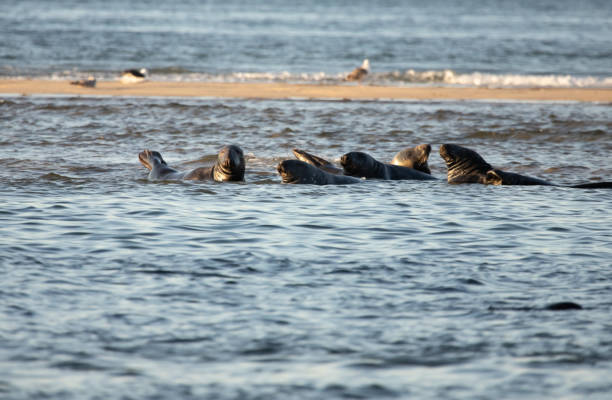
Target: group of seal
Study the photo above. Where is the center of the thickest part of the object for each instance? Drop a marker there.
(463, 166)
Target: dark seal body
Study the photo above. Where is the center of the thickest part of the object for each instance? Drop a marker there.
(414, 157)
(296, 171)
(499, 177)
(229, 166)
(363, 165)
(467, 166)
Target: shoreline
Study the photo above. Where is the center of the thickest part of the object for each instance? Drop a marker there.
(299, 91)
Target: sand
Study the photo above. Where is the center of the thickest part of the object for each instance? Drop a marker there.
(300, 91)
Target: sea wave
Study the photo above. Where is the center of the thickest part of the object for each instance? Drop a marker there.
(408, 77)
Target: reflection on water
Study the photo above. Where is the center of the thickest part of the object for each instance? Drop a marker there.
(117, 287)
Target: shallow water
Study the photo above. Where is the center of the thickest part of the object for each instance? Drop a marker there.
(476, 43)
(116, 287)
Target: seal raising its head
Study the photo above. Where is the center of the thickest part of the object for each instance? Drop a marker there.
(464, 165)
(414, 157)
(360, 72)
(296, 171)
(467, 166)
(364, 165)
(230, 166)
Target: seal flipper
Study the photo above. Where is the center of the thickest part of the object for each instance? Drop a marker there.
(493, 178)
(317, 161)
(594, 185)
(158, 168)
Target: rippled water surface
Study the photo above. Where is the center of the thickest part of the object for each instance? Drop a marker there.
(472, 42)
(117, 287)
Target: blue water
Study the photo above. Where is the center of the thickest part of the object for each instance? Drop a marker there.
(559, 43)
(116, 287)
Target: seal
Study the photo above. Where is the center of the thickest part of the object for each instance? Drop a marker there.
(414, 157)
(364, 165)
(229, 166)
(296, 171)
(466, 166)
(360, 72)
(318, 162)
(89, 82)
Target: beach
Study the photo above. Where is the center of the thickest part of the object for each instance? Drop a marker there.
(300, 91)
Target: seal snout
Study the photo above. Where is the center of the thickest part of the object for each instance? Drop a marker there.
(344, 160)
(232, 157)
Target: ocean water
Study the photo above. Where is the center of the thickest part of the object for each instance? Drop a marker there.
(116, 287)
(551, 43)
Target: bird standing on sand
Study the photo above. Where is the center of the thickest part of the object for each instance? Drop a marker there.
(89, 82)
(360, 72)
(133, 75)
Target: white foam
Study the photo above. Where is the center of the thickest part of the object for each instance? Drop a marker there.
(390, 78)
(515, 80)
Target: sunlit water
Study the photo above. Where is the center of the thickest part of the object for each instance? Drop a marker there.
(558, 43)
(115, 287)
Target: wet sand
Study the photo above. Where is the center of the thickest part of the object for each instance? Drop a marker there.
(301, 91)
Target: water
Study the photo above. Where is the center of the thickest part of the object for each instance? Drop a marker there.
(115, 287)
(553, 43)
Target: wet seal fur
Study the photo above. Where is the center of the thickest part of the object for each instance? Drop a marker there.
(318, 162)
(466, 166)
(364, 165)
(414, 157)
(230, 166)
(300, 172)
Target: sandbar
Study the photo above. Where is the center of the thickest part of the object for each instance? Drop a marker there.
(300, 91)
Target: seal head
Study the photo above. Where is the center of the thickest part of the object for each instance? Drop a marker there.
(464, 165)
(414, 157)
(300, 172)
(357, 163)
(230, 165)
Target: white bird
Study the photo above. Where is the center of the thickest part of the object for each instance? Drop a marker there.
(134, 75)
(360, 72)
